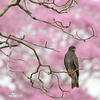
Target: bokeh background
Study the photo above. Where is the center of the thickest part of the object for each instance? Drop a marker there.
(16, 22)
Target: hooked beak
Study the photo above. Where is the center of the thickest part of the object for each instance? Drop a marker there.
(74, 49)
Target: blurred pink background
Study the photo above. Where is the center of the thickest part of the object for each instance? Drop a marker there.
(15, 86)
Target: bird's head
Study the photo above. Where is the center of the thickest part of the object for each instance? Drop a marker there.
(72, 48)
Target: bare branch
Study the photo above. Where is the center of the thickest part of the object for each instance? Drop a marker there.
(46, 4)
(58, 25)
(10, 4)
(35, 43)
(64, 7)
(93, 35)
(8, 46)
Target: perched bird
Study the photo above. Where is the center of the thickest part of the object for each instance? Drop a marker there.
(72, 66)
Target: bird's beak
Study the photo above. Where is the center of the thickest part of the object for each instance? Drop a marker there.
(74, 49)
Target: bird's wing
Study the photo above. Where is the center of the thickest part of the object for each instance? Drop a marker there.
(76, 65)
(76, 61)
(67, 62)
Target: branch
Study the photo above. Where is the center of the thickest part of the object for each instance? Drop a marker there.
(54, 23)
(59, 25)
(64, 7)
(10, 4)
(93, 35)
(21, 42)
(38, 70)
(45, 46)
(8, 46)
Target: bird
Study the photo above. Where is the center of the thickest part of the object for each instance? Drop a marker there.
(72, 66)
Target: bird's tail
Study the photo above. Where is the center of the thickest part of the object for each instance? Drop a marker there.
(74, 82)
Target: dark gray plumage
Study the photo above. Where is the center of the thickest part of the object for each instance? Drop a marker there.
(72, 66)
